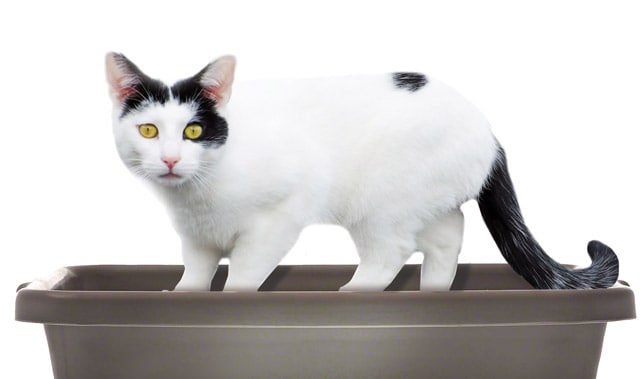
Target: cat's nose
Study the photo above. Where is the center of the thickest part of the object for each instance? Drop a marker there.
(170, 161)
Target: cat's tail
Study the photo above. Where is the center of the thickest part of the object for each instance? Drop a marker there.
(501, 213)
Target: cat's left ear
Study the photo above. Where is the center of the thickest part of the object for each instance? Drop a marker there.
(217, 79)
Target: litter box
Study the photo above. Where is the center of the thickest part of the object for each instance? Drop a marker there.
(114, 322)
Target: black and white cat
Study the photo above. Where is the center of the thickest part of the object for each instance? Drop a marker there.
(391, 158)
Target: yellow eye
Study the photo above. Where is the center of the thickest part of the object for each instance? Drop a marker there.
(148, 130)
(193, 131)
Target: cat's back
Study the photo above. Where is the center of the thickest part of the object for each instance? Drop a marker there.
(371, 103)
(353, 139)
(344, 117)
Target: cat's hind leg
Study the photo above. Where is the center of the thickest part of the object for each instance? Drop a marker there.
(382, 255)
(440, 243)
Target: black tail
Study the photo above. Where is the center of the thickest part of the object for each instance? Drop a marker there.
(501, 213)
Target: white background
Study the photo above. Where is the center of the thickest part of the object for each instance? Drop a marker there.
(559, 80)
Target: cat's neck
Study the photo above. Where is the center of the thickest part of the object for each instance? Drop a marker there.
(187, 195)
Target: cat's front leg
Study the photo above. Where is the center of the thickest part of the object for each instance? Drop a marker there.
(200, 264)
(258, 251)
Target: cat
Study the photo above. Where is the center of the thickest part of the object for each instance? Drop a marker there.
(243, 167)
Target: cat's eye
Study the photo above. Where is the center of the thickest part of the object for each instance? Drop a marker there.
(148, 130)
(193, 131)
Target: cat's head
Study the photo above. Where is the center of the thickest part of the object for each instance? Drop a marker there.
(170, 135)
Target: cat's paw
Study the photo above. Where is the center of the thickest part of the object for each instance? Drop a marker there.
(191, 287)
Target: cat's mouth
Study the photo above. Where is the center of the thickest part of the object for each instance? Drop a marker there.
(170, 179)
(171, 175)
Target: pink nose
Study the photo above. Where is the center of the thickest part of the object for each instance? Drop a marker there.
(170, 161)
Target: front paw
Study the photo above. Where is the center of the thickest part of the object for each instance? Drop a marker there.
(241, 286)
(186, 286)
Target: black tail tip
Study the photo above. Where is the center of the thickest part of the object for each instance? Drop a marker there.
(599, 251)
(606, 261)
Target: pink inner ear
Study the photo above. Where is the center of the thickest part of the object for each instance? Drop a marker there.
(213, 92)
(124, 91)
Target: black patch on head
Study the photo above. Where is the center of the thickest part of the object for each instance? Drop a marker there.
(145, 90)
(215, 128)
(411, 81)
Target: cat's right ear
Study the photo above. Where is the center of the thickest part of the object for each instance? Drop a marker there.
(122, 75)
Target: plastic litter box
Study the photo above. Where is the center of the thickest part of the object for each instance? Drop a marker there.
(114, 322)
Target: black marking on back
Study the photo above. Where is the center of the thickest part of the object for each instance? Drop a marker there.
(411, 81)
(215, 128)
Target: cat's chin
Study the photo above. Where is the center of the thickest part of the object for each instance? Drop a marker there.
(170, 180)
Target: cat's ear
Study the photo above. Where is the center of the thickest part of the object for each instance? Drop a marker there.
(123, 76)
(217, 79)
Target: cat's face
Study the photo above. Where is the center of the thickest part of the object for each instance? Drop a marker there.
(170, 135)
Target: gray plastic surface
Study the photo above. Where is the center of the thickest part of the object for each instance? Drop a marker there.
(114, 322)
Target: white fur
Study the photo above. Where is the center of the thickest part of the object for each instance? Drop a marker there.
(390, 165)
